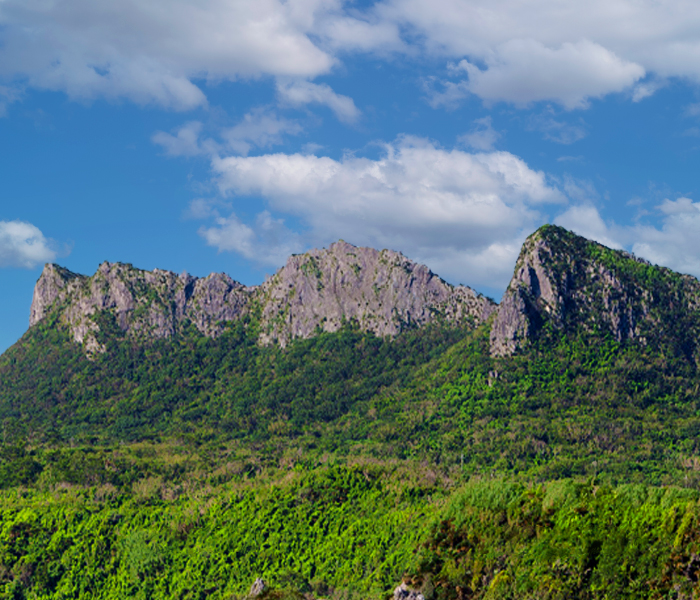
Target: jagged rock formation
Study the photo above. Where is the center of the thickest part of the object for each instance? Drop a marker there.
(150, 304)
(383, 292)
(563, 282)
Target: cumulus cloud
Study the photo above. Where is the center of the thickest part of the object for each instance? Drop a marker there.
(519, 51)
(570, 51)
(298, 93)
(585, 220)
(260, 128)
(366, 32)
(150, 51)
(23, 245)
(185, 141)
(523, 71)
(676, 243)
(267, 242)
(448, 208)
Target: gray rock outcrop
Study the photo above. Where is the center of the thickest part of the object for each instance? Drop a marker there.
(257, 589)
(563, 281)
(403, 592)
(147, 304)
(382, 291)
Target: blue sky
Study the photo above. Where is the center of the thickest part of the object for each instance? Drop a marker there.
(219, 135)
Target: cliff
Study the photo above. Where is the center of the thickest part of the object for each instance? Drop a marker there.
(383, 291)
(565, 283)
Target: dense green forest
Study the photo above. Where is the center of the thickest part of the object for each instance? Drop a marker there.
(341, 465)
(345, 462)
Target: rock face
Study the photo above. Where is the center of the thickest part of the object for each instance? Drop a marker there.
(383, 292)
(257, 589)
(563, 282)
(150, 304)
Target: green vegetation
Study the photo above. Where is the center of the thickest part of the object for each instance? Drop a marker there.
(309, 532)
(188, 467)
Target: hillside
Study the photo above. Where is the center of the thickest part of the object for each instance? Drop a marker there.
(355, 391)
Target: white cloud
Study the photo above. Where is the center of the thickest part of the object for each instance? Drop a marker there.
(523, 71)
(267, 242)
(645, 89)
(359, 34)
(676, 244)
(519, 51)
(298, 93)
(260, 128)
(482, 136)
(149, 51)
(571, 51)
(449, 208)
(23, 245)
(185, 142)
(8, 95)
(585, 220)
(560, 132)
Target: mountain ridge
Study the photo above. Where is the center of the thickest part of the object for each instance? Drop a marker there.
(561, 282)
(454, 454)
(316, 291)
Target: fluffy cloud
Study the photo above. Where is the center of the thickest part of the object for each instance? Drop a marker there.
(523, 51)
(266, 242)
(464, 214)
(185, 142)
(157, 51)
(481, 137)
(260, 129)
(151, 50)
(676, 243)
(23, 245)
(525, 71)
(585, 220)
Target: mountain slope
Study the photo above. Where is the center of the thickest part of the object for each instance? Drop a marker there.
(605, 343)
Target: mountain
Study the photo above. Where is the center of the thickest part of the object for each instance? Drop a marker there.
(565, 283)
(561, 283)
(338, 333)
(353, 424)
(384, 292)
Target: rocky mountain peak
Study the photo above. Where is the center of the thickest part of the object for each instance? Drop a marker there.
(564, 282)
(51, 286)
(383, 291)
